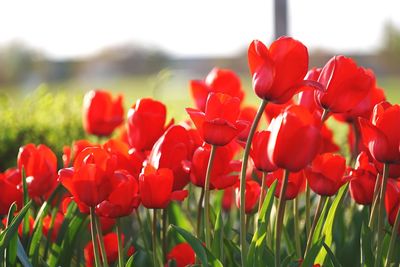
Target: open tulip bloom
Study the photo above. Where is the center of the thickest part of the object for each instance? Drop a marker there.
(218, 188)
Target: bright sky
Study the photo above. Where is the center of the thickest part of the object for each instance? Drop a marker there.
(74, 28)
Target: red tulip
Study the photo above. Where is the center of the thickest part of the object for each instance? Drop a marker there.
(40, 166)
(328, 144)
(325, 175)
(90, 180)
(296, 183)
(20, 227)
(228, 198)
(277, 72)
(102, 114)
(294, 140)
(218, 125)
(259, 152)
(247, 114)
(306, 98)
(222, 175)
(252, 195)
(362, 180)
(78, 145)
(123, 198)
(111, 247)
(55, 228)
(217, 81)
(382, 135)
(156, 188)
(171, 151)
(182, 254)
(10, 190)
(146, 123)
(345, 85)
(273, 110)
(392, 201)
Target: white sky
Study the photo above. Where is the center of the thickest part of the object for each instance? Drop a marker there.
(74, 28)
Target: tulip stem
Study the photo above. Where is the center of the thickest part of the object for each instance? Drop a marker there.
(374, 203)
(243, 171)
(154, 238)
(318, 211)
(164, 232)
(207, 197)
(199, 213)
(262, 193)
(296, 226)
(101, 241)
(393, 237)
(279, 218)
(308, 205)
(381, 214)
(324, 115)
(94, 237)
(356, 141)
(142, 231)
(121, 262)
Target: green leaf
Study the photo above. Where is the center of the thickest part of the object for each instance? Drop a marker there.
(327, 230)
(23, 258)
(320, 223)
(11, 253)
(312, 253)
(367, 255)
(217, 246)
(332, 256)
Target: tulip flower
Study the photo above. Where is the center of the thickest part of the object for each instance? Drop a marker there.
(296, 183)
(90, 180)
(40, 166)
(102, 114)
(10, 191)
(228, 198)
(392, 201)
(325, 175)
(123, 198)
(259, 153)
(328, 145)
(111, 247)
(78, 145)
(218, 125)
(252, 194)
(362, 180)
(146, 123)
(294, 140)
(156, 188)
(182, 254)
(277, 72)
(217, 81)
(55, 228)
(171, 150)
(344, 84)
(247, 115)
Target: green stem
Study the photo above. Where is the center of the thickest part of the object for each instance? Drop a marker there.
(279, 218)
(121, 262)
(207, 197)
(393, 237)
(297, 227)
(318, 211)
(142, 231)
(94, 237)
(324, 115)
(154, 238)
(308, 206)
(243, 181)
(374, 203)
(101, 241)
(199, 213)
(381, 214)
(164, 232)
(356, 141)
(262, 193)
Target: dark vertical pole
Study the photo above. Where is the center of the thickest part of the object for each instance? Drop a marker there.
(281, 19)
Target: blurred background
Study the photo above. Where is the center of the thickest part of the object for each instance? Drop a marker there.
(51, 52)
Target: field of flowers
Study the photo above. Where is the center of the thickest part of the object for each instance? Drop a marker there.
(306, 179)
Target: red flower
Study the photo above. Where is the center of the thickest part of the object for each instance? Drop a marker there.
(259, 152)
(90, 180)
(111, 247)
(56, 226)
(296, 183)
(146, 123)
(273, 110)
(222, 175)
(362, 180)
(20, 227)
(392, 201)
(156, 188)
(252, 195)
(277, 72)
(218, 125)
(102, 114)
(10, 191)
(325, 175)
(40, 166)
(77, 147)
(171, 151)
(328, 144)
(294, 140)
(217, 81)
(345, 85)
(247, 115)
(228, 198)
(123, 198)
(382, 135)
(182, 254)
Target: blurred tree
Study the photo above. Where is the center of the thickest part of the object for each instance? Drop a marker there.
(390, 50)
